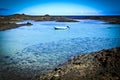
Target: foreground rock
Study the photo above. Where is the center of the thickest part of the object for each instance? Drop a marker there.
(102, 65)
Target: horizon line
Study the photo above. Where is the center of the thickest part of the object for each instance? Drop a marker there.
(62, 15)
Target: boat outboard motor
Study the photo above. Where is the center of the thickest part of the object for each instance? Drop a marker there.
(68, 27)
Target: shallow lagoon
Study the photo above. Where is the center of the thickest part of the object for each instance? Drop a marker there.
(37, 48)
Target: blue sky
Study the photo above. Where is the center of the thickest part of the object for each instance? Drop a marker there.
(60, 7)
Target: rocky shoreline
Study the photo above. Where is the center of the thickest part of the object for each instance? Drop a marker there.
(102, 65)
(9, 22)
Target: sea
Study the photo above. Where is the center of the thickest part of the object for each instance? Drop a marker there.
(31, 50)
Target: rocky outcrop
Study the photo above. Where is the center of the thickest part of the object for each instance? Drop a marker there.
(102, 65)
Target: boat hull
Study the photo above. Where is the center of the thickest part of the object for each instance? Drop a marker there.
(60, 28)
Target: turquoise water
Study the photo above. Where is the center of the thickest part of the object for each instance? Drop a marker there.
(37, 48)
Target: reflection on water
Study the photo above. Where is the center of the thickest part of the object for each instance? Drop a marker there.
(33, 49)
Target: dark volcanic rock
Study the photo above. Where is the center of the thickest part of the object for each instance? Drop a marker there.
(102, 65)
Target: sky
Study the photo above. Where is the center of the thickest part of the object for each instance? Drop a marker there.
(60, 7)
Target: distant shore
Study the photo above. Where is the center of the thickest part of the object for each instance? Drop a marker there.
(9, 22)
(102, 65)
(109, 19)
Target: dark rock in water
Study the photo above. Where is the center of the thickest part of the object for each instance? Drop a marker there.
(102, 65)
(28, 23)
(7, 57)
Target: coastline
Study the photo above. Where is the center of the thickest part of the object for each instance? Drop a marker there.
(108, 19)
(9, 22)
(102, 65)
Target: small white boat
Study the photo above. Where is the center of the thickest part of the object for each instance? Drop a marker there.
(61, 27)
